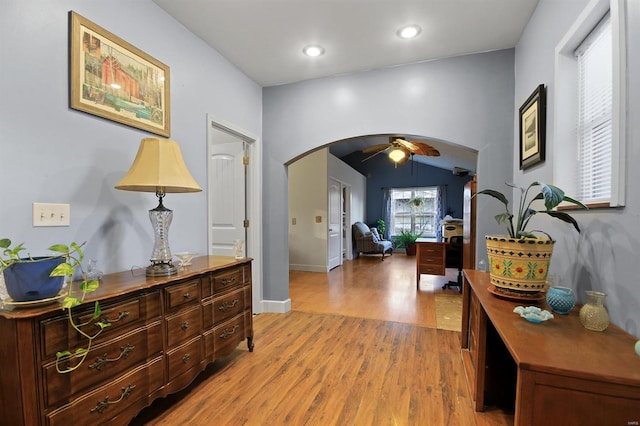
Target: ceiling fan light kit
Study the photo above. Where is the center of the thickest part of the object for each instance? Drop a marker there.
(400, 149)
(397, 155)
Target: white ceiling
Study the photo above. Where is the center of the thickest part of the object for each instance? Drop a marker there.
(265, 38)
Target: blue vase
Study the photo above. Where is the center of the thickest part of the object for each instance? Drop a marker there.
(29, 281)
(561, 299)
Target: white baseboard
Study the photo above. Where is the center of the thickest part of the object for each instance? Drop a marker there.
(307, 268)
(276, 306)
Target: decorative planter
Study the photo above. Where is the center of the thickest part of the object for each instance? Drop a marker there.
(29, 280)
(410, 249)
(519, 265)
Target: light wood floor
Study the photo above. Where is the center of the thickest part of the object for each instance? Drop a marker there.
(360, 347)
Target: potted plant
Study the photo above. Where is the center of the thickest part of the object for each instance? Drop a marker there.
(382, 226)
(68, 261)
(407, 240)
(520, 261)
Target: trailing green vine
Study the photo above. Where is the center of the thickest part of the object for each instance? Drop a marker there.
(74, 255)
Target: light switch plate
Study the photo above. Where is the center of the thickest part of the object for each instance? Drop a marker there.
(51, 214)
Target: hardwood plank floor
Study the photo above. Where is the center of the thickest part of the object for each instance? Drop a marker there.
(360, 347)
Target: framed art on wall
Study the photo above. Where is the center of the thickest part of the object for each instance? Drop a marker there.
(533, 128)
(112, 79)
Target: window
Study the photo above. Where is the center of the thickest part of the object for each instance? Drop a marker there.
(594, 58)
(590, 106)
(414, 210)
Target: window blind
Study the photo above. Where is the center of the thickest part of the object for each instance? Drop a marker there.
(595, 108)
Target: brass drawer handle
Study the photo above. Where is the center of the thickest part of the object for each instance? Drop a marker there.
(226, 333)
(121, 317)
(184, 325)
(100, 362)
(186, 358)
(186, 295)
(226, 281)
(226, 306)
(102, 405)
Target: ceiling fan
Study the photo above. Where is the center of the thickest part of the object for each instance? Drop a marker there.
(400, 150)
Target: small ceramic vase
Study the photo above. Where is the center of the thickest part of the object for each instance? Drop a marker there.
(560, 299)
(593, 314)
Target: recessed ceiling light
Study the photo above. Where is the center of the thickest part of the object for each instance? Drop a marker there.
(313, 51)
(410, 31)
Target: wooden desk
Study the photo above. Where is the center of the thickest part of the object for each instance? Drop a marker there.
(430, 258)
(554, 373)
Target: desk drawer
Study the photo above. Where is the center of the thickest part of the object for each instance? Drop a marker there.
(182, 294)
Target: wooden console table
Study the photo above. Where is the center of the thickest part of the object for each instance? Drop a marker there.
(164, 331)
(553, 373)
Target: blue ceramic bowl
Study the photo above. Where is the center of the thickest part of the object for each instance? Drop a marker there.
(560, 299)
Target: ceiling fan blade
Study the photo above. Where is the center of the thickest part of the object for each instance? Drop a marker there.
(406, 144)
(376, 148)
(373, 155)
(422, 148)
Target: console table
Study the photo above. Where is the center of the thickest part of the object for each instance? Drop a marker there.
(163, 333)
(553, 373)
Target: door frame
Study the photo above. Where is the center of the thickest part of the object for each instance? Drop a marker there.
(254, 206)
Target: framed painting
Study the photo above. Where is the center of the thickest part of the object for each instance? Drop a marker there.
(112, 79)
(533, 128)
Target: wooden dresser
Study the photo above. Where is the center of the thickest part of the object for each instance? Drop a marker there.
(163, 333)
(553, 373)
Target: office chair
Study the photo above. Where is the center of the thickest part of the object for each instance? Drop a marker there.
(453, 259)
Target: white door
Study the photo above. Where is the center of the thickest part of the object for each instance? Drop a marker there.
(226, 183)
(335, 224)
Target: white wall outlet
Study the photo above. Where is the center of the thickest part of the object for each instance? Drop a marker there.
(51, 214)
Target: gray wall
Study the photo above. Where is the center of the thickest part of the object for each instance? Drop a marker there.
(604, 255)
(466, 100)
(51, 153)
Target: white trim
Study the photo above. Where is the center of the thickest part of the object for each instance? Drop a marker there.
(276, 306)
(565, 99)
(254, 194)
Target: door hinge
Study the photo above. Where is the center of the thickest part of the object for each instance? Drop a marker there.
(245, 160)
(246, 223)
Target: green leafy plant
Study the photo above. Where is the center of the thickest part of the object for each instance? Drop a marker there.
(405, 238)
(517, 223)
(382, 226)
(73, 256)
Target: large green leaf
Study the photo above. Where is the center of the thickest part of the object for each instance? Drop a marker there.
(495, 194)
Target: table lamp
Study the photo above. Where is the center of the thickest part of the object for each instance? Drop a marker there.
(159, 167)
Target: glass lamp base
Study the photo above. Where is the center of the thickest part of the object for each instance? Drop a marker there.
(161, 269)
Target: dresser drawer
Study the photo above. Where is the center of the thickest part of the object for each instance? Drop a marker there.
(102, 363)
(223, 308)
(182, 294)
(184, 325)
(105, 403)
(57, 335)
(227, 279)
(184, 358)
(432, 269)
(228, 335)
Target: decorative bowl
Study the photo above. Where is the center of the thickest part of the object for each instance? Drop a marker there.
(533, 314)
(185, 257)
(560, 299)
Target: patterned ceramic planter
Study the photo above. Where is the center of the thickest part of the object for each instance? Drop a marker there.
(519, 265)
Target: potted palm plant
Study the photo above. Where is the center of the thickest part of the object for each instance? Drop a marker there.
(519, 261)
(407, 240)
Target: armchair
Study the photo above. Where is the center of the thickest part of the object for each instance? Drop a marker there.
(453, 259)
(368, 241)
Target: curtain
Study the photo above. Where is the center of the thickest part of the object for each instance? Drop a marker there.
(441, 203)
(386, 211)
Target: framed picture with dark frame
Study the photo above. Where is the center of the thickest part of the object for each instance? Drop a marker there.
(533, 128)
(112, 79)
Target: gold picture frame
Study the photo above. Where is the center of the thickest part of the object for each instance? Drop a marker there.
(533, 129)
(112, 79)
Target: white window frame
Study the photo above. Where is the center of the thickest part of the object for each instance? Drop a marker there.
(566, 99)
(412, 214)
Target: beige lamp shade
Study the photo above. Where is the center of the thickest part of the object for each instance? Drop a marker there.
(158, 167)
(397, 155)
